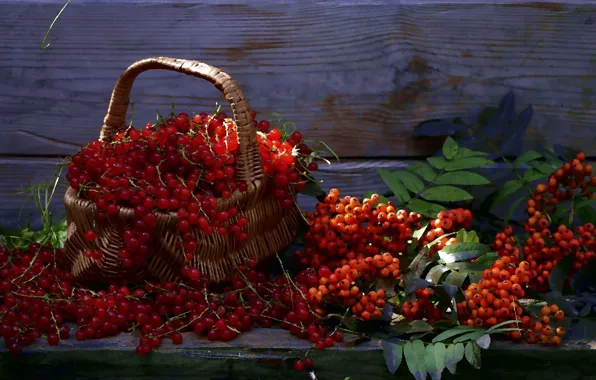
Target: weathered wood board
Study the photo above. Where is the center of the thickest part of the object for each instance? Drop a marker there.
(358, 75)
(269, 354)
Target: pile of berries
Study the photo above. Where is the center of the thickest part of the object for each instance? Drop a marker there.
(344, 229)
(495, 299)
(447, 221)
(422, 307)
(38, 299)
(181, 165)
(548, 244)
(353, 244)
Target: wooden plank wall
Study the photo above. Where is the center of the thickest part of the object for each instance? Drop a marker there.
(357, 74)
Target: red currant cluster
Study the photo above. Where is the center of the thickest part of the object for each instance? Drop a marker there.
(38, 299)
(181, 165)
(279, 161)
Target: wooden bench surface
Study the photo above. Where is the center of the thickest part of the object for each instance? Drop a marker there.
(269, 354)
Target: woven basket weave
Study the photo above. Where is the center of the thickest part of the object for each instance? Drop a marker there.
(271, 228)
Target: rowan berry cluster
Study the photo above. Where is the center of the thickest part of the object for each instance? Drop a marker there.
(422, 307)
(344, 229)
(181, 166)
(446, 222)
(352, 244)
(495, 299)
(547, 244)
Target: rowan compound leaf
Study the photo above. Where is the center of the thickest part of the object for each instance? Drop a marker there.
(450, 363)
(446, 194)
(462, 178)
(411, 181)
(395, 185)
(435, 274)
(484, 341)
(393, 353)
(425, 208)
(450, 148)
(414, 352)
(456, 279)
(467, 163)
(526, 157)
(473, 355)
(423, 170)
(438, 162)
(465, 153)
(430, 362)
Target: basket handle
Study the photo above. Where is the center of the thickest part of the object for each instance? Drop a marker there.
(249, 166)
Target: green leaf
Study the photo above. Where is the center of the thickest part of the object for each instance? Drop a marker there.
(585, 210)
(461, 235)
(559, 273)
(440, 353)
(526, 157)
(435, 274)
(473, 355)
(484, 341)
(461, 178)
(419, 232)
(455, 331)
(382, 199)
(450, 148)
(508, 188)
(584, 203)
(414, 353)
(487, 259)
(446, 194)
(467, 163)
(416, 326)
(450, 363)
(395, 185)
(469, 336)
(424, 208)
(437, 162)
(466, 267)
(512, 209)
(313, 189)
(462, 251)
(472, 237)
(410, 180)
(423, 170)
(393, 354)
(456, 279)
(543, 167)
(466, 153)
(430, 361)
(533, 175)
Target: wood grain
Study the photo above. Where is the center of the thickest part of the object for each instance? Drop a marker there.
(358, 76)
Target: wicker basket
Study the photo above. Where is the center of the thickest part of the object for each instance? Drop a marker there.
(271, 228)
